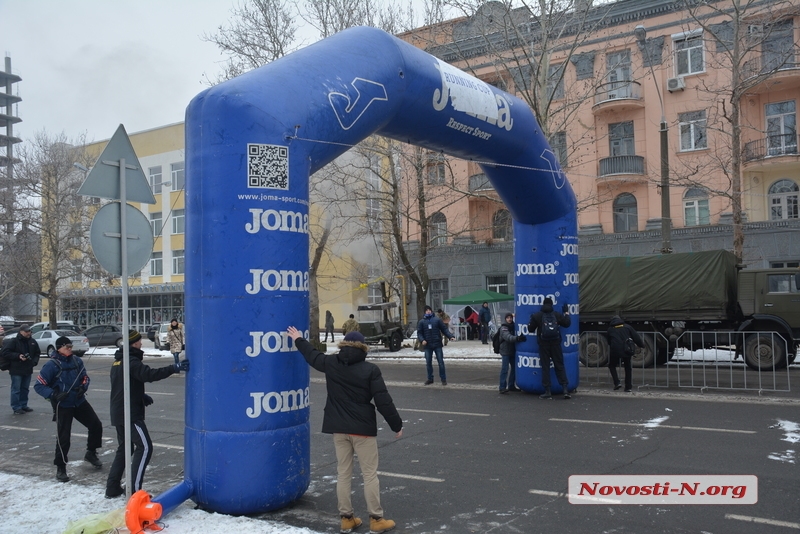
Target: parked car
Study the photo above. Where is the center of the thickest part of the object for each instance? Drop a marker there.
(152, 330)
(60, 325)
(161, 337)
(11, 333)
(104, 334)
(47, 341)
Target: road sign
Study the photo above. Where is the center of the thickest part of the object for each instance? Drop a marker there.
(107, 242)
(103, 180)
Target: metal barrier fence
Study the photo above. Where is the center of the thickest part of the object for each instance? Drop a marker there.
(714, 365)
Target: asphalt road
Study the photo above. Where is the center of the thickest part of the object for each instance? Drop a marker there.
(471, 460)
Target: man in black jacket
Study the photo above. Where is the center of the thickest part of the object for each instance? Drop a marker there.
(353, 385)
(21, 354)
(140, 438)
(618, 332)
(546, 322)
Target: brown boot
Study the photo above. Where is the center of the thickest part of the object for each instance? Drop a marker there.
(349, 524)
(379, 525)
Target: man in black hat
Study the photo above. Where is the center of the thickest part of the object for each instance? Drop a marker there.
(353, 385)
(64, 381)
(20, 354)
(141, 443)
(547, 324)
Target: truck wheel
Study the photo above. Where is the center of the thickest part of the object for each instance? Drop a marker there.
(764, 352)
(396, 341)
(645, 357)
(593, 350)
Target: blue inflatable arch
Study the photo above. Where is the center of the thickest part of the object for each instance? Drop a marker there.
(247, 435)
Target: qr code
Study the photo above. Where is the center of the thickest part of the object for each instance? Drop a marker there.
(267, 166)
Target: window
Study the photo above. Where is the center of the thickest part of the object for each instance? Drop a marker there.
(501, 225)
(439, 291)
(777, 50)
(374, 290)
(620, 139)
(783, 196)
(156, 264)
(693, 130)
(373, 173)
(618, 73)
(695, 207)
(435, 170)
(155, 223)
(155, 179)
(689, 55)
(373, 209)
(555, 81)
(781, 128)
(781, 283)
(437, 229)
(497, 283)
(177, 262)
(626, 218)
(178, 222)
(558, 142)
(178, 176)
(784, 264)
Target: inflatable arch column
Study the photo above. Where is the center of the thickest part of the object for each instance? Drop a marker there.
(251, 145)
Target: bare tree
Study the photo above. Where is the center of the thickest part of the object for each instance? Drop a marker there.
(49, 206)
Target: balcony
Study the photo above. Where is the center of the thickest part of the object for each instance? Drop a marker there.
(778, 149)
(616, 169)
(618, 96)
(479, 182)
(775, 69)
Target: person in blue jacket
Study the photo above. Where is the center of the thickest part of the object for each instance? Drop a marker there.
(429, 332)
(63, 380)
(485, 317)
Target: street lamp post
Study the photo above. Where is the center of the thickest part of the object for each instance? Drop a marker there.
(640, 32)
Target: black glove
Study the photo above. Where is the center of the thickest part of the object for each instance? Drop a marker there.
(81, 391)
(58, 397)
(148, 400)
(521, 338)
(183, 366)
(564, 308)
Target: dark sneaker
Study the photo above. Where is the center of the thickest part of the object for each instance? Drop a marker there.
(444, 382)
(627, 390)
(514, 388)
(349, 524)
(27, 410)
(91, 457)
(503, 391)
(617, 386)
(546, 395)
(61, 473)
(19, 412)
(566, 394)
(113, 493)
(428, 382)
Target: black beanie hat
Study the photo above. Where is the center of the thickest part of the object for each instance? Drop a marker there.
(133, 336)
(63, 340)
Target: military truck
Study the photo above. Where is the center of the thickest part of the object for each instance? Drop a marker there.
(380, 325)
(696, 301)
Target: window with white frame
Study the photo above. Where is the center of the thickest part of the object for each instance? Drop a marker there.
(626, 215)
(555, 81)
(695, 207)
(781, 120)
(439, 292)
(784, 264)
(501, 225)
(373, 209)
(620, 139)
(435, 169)
(437, 229)
(156, 264)
(155, 179)
(178, 176)
(693, 130)
(156, 223)
(374, 290)
(783, 197)
(689, 53)
(558, 142)
(178, 221)
(497, 283)
(177, 262)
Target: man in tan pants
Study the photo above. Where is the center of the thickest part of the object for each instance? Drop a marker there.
(353, 385)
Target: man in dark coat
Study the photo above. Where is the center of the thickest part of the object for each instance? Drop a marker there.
(353, 385)
(141, 443)
(485, 317)
(429, 332)
(63, 380)
(618, 332)
(21, 354)
(550, 349)
(508, 354)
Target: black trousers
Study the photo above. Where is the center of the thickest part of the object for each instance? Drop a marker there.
(142, 451)
(613, 363)
(329, 329)
(85, 415)
(551, 350)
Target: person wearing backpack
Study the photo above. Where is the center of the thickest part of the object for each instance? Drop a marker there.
(505, 343)
(618, 334)
(547, 324)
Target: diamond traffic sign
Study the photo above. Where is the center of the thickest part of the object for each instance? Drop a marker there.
(103, 180)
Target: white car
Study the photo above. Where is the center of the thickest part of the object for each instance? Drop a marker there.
(47, 341)
(161, 337)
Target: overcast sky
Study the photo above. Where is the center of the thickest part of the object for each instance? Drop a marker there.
(91, 65)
